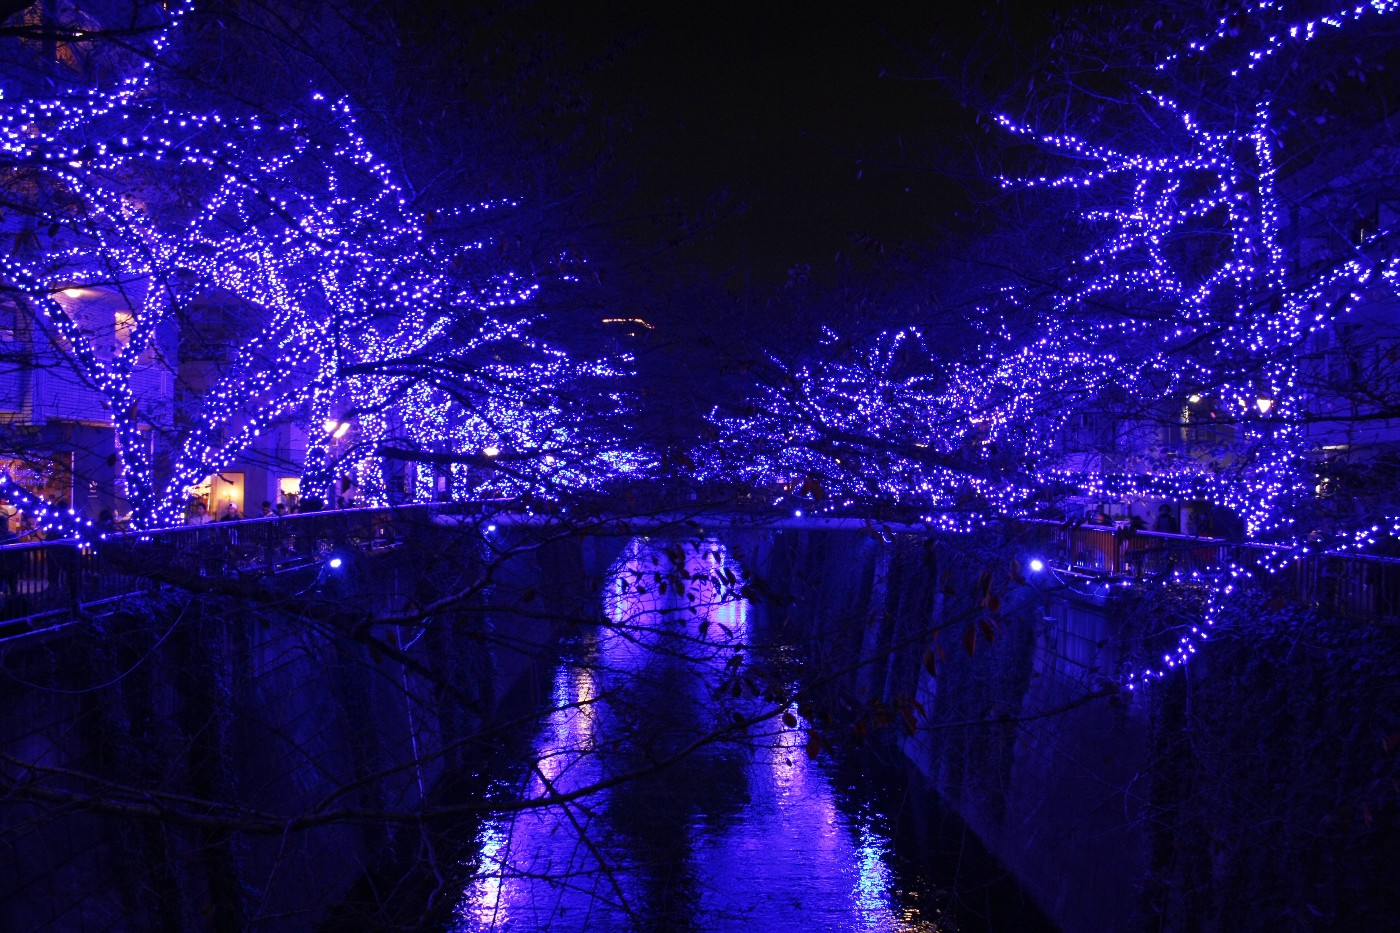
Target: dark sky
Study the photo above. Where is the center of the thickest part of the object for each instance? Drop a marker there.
(799, 130)
(787, 112)
(699, 152)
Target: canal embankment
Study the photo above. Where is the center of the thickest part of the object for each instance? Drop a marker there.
(1257, 787)
(192, 762)
(241, 758)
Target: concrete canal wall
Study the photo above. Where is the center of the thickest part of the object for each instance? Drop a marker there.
(1259, 789)
(292, 708)
(1055, 798)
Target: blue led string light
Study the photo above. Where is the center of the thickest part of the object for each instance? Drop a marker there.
(360, 308)
(1209, 337)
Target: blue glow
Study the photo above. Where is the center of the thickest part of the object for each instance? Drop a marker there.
(794, 828)
(368, 317)
(1195, 357)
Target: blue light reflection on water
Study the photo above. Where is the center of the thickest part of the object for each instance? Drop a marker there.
(748, 835)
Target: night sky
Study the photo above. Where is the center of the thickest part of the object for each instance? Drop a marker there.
(701, 156)
(787, 114)
(781, 132)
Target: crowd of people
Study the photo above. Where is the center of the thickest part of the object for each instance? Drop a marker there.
(18, 527)
(199, 513)
(1197, 519)
(1165, 522)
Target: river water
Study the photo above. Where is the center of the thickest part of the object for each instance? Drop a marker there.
(684, 822)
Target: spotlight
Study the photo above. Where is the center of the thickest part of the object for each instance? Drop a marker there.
(334, 563)
(1037, 565)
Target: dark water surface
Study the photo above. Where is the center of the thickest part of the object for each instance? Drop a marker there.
(738, 834)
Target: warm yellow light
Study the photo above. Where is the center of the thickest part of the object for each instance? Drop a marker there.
(73, 292)
(491, 451)
(1264, 405)
(340, 431)
(330, 425)
(549, 459)
(1193, 398)
(125, 324)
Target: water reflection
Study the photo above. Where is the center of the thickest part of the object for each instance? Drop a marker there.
(746, 833)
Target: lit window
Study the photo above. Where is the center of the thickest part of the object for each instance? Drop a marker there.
(125, 324)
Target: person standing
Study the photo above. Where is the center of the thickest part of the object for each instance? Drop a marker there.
(9, 518)
(64, 569)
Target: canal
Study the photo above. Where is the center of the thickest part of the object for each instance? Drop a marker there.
(672, 805)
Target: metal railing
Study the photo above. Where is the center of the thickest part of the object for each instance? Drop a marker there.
(1349, 583)
(265, 545)
(58, 576)
(52, 577)
(55, 576)
(1126, 552)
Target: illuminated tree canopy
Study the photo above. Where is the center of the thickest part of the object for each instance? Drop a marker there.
(1189, 309)
(341, 299)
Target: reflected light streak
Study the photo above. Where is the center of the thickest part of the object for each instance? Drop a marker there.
(481, 905)
(769, 846)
